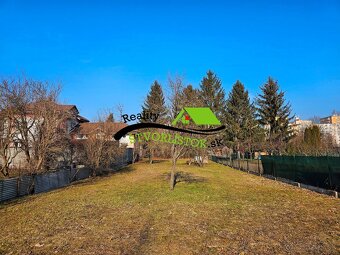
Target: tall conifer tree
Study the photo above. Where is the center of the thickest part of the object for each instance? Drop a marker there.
(274, 114)
(212, 94)
(190, 97)
(242, 127)
(154, 103)
(110, 118)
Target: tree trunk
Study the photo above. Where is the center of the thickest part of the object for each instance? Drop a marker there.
(39, 164)
(172, 175)
(5, 167)
(150, 155)
(4, 171)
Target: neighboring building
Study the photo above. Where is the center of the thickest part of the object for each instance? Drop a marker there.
(76, 126)
(299, 125)
(333, 130)
(326, 129)
(70, 124)
(74, 118)
(106, 130)
(334, 119)
(331, 126)
(100, 130)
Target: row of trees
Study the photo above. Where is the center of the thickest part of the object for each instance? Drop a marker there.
(248, 123)
(258, 125)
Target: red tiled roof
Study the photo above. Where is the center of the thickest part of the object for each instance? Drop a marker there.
(91, 127)
(67, 107)
(62, 107)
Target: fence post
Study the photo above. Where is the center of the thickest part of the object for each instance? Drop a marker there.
(273, 166)
(32, 186)
(295, 168)
(330, 174)
(18, 186)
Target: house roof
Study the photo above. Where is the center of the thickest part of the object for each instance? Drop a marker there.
(67, 107)
(82, 119)
(91, 127)
(62, 107)
(199, 115)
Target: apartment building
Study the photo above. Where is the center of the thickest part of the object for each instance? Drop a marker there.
(299, 125)
(333, 119)
(333, 130)
(329, 126)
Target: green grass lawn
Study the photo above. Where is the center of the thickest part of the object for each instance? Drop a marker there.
(213, 210)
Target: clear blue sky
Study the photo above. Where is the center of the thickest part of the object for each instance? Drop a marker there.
(109, 52)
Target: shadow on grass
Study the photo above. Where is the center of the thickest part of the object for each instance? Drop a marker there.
(186, 177)
(109, 172)
(104, 173)
(154, 161)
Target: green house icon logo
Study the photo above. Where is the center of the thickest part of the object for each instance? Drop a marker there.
(197, 115)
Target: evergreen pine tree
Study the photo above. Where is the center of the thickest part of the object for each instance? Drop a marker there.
(242, 127)
(316, 136)
(307, 136)
(110, 118)
(274, 114)
(155, 102)
(312, 138)
(190, 97)
(212, 94)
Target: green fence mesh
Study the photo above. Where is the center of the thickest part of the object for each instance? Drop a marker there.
(323, 172)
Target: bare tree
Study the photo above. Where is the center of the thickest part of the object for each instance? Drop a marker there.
(335, 112)
(49, 137)
(120, 110)
(175, 105)
(105, 114)
(192, 98)
(37, 121)
(315, 119)
(99, 149)
(8, 148)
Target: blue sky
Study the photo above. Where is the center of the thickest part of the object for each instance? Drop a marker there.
(109, 52)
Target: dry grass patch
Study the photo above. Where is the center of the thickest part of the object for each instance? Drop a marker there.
(213, 210)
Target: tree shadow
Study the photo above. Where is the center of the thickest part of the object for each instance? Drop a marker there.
(156, 161)
(186, 177)
(102, 174)
(118, 170)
